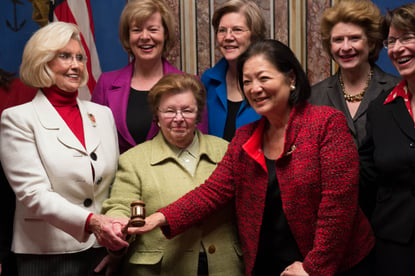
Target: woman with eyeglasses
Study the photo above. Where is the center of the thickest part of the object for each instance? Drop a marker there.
(59, 155)
(236, 23)
(388, 157)
(163, 169)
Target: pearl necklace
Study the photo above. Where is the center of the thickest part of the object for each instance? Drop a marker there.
(357, 97)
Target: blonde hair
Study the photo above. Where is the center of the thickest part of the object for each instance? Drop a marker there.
(178, 83)
(139, 11)
(362, 13)
(253, 16)
(41, 48)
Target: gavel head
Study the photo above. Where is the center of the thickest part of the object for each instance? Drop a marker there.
(138, 213)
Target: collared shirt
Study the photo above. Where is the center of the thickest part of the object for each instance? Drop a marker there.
(401, 90)
(188, 156)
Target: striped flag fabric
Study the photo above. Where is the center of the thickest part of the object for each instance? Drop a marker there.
(79, 13)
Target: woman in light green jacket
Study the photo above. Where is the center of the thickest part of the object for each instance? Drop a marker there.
(163, 169)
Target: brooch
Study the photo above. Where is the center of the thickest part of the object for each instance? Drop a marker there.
(92, 118)
(291, 150)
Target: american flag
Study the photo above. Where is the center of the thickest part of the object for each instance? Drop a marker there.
(79, 13)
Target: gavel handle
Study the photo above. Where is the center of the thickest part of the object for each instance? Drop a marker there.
(125, 228)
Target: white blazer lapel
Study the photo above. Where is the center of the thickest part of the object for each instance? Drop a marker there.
(50, 119)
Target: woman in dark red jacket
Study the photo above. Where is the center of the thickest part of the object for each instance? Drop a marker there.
(293, 176)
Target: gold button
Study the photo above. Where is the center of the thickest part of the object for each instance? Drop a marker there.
(212, 249)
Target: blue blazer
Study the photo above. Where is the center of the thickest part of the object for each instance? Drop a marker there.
(214, 80)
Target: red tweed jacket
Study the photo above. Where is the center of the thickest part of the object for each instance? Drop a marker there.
(318, 177)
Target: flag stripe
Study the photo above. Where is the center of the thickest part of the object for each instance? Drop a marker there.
(83, 12)
(79, 13)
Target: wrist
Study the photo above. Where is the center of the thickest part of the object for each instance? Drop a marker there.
(161, 219)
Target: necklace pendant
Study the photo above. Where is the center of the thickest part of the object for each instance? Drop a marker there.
(354, 98)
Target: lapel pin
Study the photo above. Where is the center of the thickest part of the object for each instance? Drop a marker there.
(92, 118)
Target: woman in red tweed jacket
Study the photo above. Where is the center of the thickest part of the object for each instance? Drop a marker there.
(293, 176)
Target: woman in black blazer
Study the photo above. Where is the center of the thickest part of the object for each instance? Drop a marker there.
(352, 35)
(388, 156)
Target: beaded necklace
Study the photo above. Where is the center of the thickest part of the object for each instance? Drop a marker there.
(357, 97)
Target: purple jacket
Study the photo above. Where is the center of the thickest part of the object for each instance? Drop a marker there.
(113, 90)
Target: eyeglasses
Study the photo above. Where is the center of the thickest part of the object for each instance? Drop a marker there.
(404, 39)
(236, 31)
(68, 58)
(186, 113)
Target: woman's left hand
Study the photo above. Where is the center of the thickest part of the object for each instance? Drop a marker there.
(154, 220)
(295, 269)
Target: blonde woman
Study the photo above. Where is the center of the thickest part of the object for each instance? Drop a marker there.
(59, 155)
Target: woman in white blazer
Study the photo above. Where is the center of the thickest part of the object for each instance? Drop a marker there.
(60, 156)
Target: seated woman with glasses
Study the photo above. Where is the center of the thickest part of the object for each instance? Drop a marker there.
(388, 157)
(161, 170)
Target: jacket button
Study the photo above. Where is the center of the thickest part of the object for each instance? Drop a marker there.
(93, 156)
(211, 249)
(87, 202)
(99, 181)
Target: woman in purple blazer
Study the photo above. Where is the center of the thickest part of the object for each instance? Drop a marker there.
(147, 32)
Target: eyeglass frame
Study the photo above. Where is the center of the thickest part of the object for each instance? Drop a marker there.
(68, 58)
(233, 31)
(386, 43)
(185, 115)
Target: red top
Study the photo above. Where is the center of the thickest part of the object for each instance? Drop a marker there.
(401, 90)
(66, 105)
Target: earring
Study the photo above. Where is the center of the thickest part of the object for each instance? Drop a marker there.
(158, 124)
(292, 86)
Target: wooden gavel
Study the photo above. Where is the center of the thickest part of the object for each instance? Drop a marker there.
(138, 214)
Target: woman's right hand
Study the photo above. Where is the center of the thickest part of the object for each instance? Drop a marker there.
(109, 231)
(155, 220)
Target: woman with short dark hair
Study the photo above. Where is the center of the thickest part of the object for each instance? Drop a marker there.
(293, 177)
